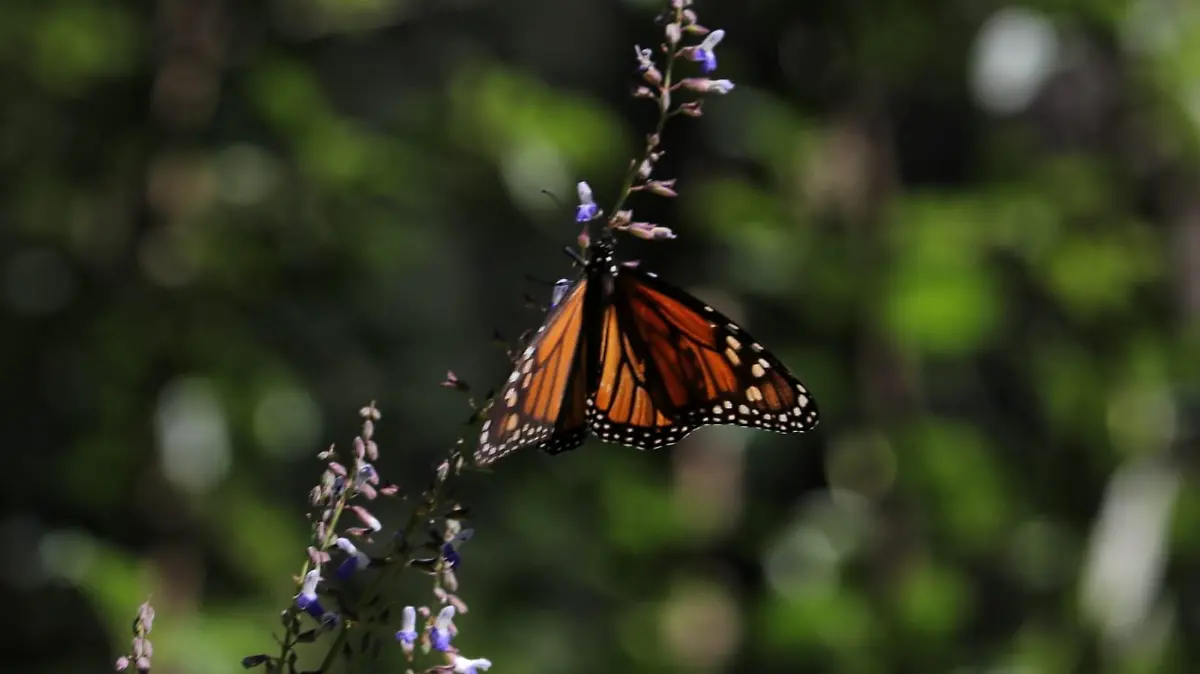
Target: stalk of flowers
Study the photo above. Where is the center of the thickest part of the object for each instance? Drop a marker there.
(438, 629)
(663, 86)
(141, 650)
(341, 490)
(325, 602)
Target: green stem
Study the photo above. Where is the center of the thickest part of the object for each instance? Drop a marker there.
(343, 634)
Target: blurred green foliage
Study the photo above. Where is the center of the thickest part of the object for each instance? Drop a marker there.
(971, 228)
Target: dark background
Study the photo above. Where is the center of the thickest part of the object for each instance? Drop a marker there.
(973, 230)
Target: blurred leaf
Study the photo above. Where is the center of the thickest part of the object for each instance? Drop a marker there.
(951, 468)
(77, 43)
(932, 599)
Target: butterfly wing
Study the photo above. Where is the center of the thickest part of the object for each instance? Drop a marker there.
(670, 364)
(624, 409)
(542, 403)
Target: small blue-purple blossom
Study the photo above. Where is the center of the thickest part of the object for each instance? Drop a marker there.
(365, 475)
(587, 208)
(450, 547)
(450, 555)
(440, 634)
(307, 600)
(560, 291)
(407, 634)
(470, 665)
(355, 561)
(706, 52)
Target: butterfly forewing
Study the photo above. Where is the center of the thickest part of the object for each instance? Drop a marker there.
(542, 403)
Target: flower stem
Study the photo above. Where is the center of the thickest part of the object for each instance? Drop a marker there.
(652, 141)
(343, 633)
(289, 640)
(414, 521)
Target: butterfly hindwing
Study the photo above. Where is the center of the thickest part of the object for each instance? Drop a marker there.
(542, 403)
(671, 363)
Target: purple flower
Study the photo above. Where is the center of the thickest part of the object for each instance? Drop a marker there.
(450, 555)
(450, 547)
(440, 635)
(470, 666)
(307, 599)
(355, 561)
(408, 629)
(706, 52)
(366, 475)
(587, 209)
(560, 291)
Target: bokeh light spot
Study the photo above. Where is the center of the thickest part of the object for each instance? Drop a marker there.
(1015, 52)
(701, 624)
(287, 420)
(193, 434)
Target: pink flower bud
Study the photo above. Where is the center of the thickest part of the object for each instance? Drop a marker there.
(649, 232)
(663, 188)
(673, 34)
(366, 518)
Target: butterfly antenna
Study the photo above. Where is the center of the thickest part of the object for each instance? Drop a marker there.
(554, 197)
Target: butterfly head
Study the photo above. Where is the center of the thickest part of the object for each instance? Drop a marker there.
(600, 253)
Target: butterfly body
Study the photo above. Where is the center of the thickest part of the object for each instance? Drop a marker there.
(636, 361)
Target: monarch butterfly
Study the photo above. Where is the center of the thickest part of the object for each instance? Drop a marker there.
(637, 361)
